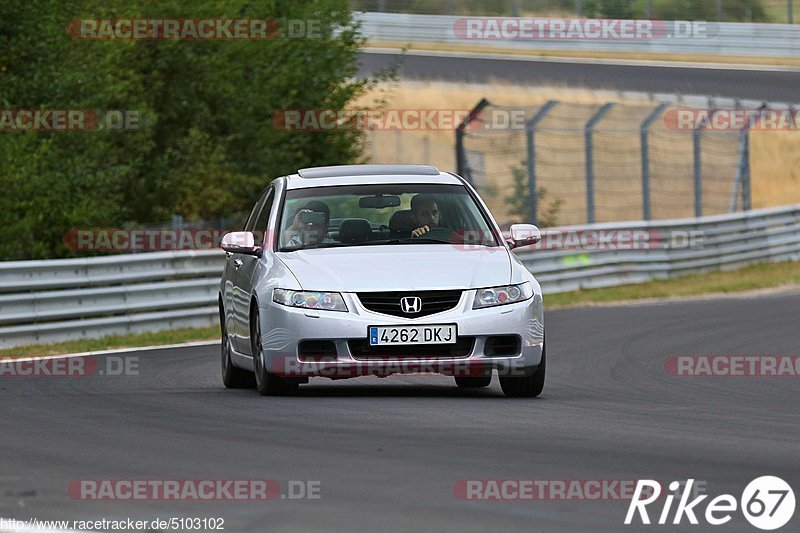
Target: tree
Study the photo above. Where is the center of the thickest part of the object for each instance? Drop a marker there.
(206, 145)
(519, 200)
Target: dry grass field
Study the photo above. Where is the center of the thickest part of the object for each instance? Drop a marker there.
(775, 156)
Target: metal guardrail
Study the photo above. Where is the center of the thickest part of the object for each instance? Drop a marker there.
(718, 38)
(67, 299)
(50, 301)
(723, 242)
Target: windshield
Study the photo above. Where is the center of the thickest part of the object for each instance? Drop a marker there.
(365, 215)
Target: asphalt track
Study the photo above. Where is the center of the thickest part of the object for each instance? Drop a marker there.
(388, 452)
(766, 85)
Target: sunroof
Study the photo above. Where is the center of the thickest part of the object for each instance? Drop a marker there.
(368, 170)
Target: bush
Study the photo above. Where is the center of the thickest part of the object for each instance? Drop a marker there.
(519, 201)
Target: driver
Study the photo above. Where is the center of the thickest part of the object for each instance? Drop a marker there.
(425, 212)
(301, 233)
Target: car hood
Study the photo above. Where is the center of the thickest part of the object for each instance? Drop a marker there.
(398, 267)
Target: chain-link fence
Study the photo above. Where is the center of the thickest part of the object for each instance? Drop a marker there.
(568, 163)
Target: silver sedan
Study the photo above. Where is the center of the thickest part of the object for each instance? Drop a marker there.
(348, 271)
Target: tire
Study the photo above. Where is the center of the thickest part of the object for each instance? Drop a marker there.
(232, 377)
(267, 383)
(473, 382)
(527, 386)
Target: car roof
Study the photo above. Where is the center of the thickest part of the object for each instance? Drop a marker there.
(368, 175)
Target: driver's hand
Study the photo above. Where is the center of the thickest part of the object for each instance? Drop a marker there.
(420, 231)
(297, 224)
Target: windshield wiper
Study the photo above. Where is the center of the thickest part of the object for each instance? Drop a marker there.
(406, 240)
(424, 240)
(315, 246)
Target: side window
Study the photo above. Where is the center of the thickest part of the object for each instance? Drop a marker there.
(260, 226)
(251, 220)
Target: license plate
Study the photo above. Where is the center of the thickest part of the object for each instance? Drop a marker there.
(400, 335)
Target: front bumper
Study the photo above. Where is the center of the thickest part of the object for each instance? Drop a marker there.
(284, 328)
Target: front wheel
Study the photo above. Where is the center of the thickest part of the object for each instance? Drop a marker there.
(526, 386)
(267, 383)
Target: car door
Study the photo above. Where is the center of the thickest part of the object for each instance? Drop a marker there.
(244, 271)
(230, 286)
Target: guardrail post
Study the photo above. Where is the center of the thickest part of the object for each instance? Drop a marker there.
(590, 215)
(645, 151)
(530, 137)
(461, 160)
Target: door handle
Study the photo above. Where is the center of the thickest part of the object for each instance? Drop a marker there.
(237, 263)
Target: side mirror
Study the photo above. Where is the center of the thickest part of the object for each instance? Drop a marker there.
(240, 242)
(523, 235)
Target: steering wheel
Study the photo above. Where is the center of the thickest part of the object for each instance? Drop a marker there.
(444, 234)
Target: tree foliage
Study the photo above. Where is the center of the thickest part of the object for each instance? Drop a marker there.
(206, 145)
(520, 199)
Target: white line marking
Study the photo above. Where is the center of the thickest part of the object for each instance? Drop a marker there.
(584, 60)
(109, 352)
(754, 294)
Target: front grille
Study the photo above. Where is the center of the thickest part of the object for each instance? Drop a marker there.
(361, 349)
(388, 303)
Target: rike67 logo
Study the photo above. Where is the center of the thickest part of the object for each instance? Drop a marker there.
(767, 503)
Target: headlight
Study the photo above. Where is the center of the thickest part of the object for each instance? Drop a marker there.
(327, 301)
(507, 294)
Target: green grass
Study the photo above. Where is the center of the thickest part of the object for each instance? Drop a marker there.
(123, 341)
(745, 279)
